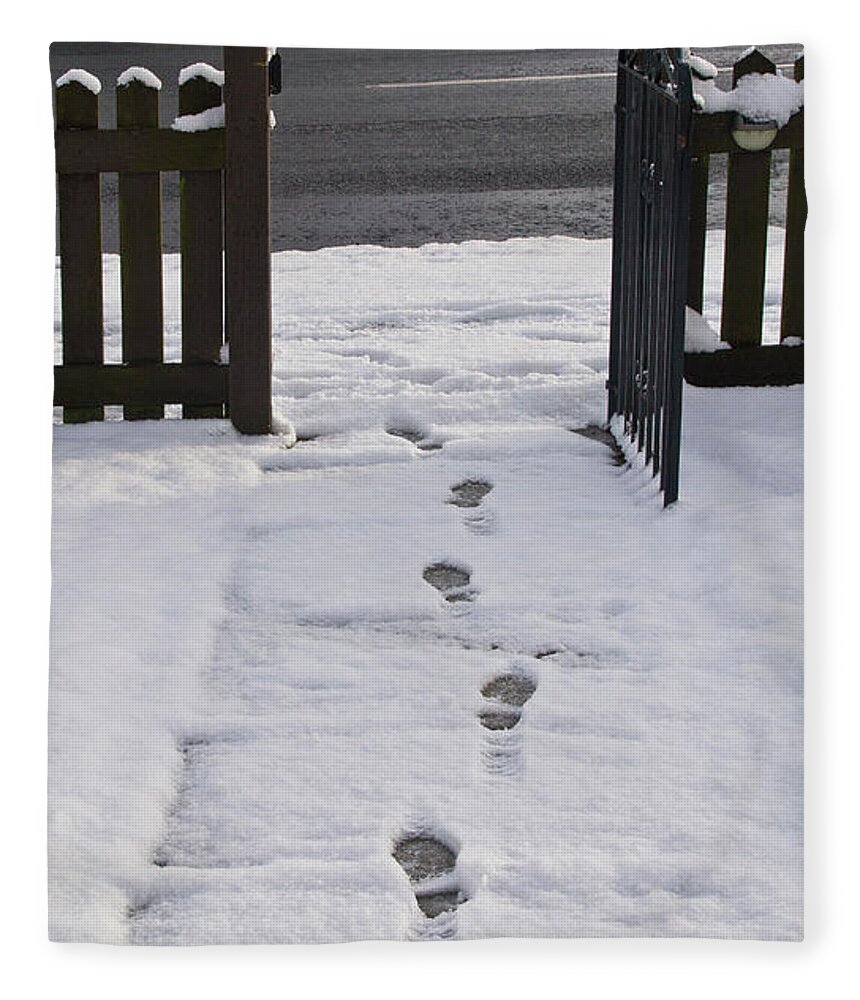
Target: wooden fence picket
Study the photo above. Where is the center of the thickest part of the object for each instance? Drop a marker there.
(79, 219)
(791, 322)
(699, 180)
(201, 221)
(139, 196)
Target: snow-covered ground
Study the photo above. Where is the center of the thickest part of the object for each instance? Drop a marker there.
(255, 692)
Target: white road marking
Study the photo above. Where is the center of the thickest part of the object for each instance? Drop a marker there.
(516, 79)
(489, 79)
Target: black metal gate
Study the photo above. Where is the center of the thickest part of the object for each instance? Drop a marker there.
(654, 107)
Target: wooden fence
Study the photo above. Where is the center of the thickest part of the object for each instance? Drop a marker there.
(224, 206)
(747, 210)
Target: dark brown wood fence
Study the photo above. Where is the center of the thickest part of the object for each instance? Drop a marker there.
(747, 210)
(224, 214)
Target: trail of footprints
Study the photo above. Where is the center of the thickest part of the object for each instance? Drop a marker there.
(452, 581)
(428, 862)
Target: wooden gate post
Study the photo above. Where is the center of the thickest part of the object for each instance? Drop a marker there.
(791, 324)
(747, 188)
(247, 279)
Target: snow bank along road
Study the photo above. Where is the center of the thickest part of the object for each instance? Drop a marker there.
(442, 668)
(357, 160)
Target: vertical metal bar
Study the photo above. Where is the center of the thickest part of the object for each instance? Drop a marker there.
(618, 278)
(681, 226)
(645, 434)
(670, 195)
(637, 151)
(629, 275)
(647, 268)
(664, 193)
(668, 429)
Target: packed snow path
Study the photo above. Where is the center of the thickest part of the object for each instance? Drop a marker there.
(266, 709)
(357, 705)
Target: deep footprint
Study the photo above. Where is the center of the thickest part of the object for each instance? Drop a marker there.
(418, 438)
(469, 493)
(424, 858)
(450, 581)
(496, 719)
(512, 689)
(402, 432)
(596, 433)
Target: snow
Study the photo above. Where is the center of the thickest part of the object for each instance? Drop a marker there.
(139, 74)
(255, 693)
(81, 76)
(713, 281)
(208, 119)
(200, 122)
(758, 97)
(700, 337)
(702, 69)
(204, 70)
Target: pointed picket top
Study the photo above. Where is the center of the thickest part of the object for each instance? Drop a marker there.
(752, 61)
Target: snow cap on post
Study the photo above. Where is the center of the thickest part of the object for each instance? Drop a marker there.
(701, 68)
(138, 74)
(202, 71)
(82, 77)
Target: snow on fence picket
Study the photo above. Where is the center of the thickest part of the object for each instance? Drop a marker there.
(224, 206)
(720, 119)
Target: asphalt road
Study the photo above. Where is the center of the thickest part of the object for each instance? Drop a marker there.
(401, 148)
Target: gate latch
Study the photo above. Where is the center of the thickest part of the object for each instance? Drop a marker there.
(648, 180)
(275, 73)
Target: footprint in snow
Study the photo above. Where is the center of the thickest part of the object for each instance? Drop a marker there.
(418, 437)
(429, 864)
(505, 694)
(594, 432)
(470, 494)
(451, 581)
